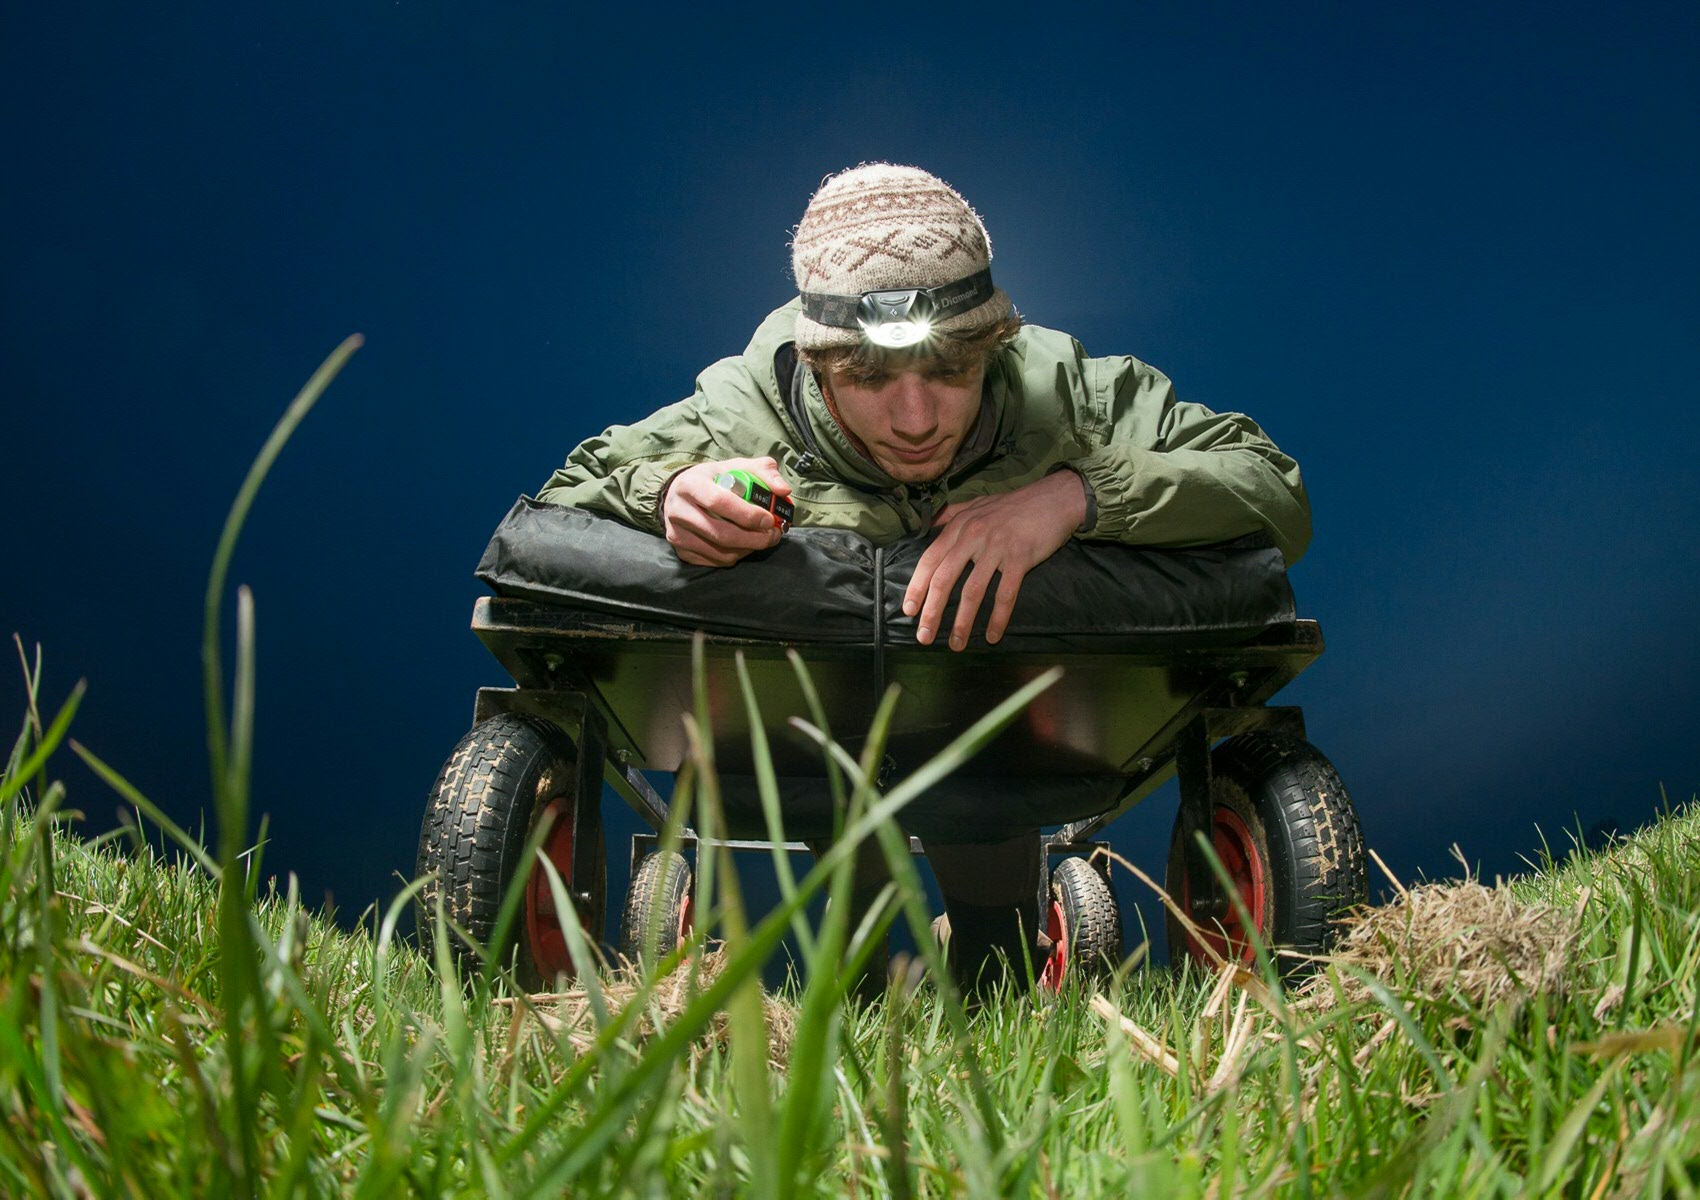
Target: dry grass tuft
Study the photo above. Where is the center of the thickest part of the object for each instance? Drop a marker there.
(569, 1014)
(1451, 942)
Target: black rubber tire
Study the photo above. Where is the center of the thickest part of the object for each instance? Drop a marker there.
(655, 904)
(481, 811)
(1092, 920)
(1303, 824)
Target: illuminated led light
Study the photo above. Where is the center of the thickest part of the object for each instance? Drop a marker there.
(894, 335)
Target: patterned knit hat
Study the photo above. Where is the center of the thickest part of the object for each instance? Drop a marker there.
(880, 226)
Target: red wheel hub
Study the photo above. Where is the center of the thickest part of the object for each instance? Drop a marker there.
(687, 917)
(544, 937)
(1222, 928)
(1056, 966)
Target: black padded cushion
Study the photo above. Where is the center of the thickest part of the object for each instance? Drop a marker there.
(830, 586)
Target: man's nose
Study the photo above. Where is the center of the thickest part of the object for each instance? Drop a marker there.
(913, 413)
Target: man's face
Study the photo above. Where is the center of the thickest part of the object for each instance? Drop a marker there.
(911, 423)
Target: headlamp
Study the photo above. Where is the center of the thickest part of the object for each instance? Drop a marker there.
(895, 318)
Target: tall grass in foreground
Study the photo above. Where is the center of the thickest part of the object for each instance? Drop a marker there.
(167, 1028)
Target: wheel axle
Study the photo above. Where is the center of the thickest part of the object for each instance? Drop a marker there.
(1212, 906)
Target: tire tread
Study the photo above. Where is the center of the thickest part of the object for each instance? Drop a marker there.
(1091, 915)
(663, 878)
(476, 821)
(1318, 861)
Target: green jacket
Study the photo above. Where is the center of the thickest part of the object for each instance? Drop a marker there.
(1159, 472)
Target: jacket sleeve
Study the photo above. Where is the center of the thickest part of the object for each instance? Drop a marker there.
(1164, 473)
(624, 470)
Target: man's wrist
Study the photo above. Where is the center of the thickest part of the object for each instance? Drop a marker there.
(1089, 520)
(661, 500)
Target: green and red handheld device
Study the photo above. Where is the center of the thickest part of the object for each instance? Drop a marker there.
(748, 487)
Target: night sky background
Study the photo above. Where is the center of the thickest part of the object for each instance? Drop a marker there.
(1448, 256)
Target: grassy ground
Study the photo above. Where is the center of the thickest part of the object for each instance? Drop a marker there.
(167, 1030)
(349, 1066)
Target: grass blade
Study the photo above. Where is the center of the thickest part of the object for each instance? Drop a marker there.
(212, 673)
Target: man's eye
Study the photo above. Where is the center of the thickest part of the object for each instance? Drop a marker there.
(947, 375)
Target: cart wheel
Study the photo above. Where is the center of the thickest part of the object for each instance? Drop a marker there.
(1283, 826)
(1083, 921)
(659, 908)
(503, 778)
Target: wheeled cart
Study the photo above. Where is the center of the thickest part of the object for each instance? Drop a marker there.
(600, 653)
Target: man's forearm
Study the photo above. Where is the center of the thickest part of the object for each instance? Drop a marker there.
(1195, 497)
(631, 491)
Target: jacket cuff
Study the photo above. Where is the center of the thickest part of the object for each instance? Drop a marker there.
(646, 488)
(632, 493)
(1109, 506)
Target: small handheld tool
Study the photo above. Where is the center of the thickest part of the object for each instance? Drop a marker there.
(748, 487)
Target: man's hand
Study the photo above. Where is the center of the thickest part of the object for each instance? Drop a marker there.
(1008, 534)
(709, 526)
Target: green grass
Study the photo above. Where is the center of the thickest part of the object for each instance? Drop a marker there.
(169, 1027)
(117, 1072)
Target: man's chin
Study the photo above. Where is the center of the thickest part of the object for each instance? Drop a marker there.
(928, 471)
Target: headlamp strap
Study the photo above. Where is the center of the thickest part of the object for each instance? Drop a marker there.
(935, 303)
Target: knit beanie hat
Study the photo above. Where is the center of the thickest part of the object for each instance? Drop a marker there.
(879, 226)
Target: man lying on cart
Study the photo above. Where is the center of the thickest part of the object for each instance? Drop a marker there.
(901, 392)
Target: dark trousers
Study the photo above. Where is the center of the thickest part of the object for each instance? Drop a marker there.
(991, 894)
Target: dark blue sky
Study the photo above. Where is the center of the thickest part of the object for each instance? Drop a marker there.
(1446, 256)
